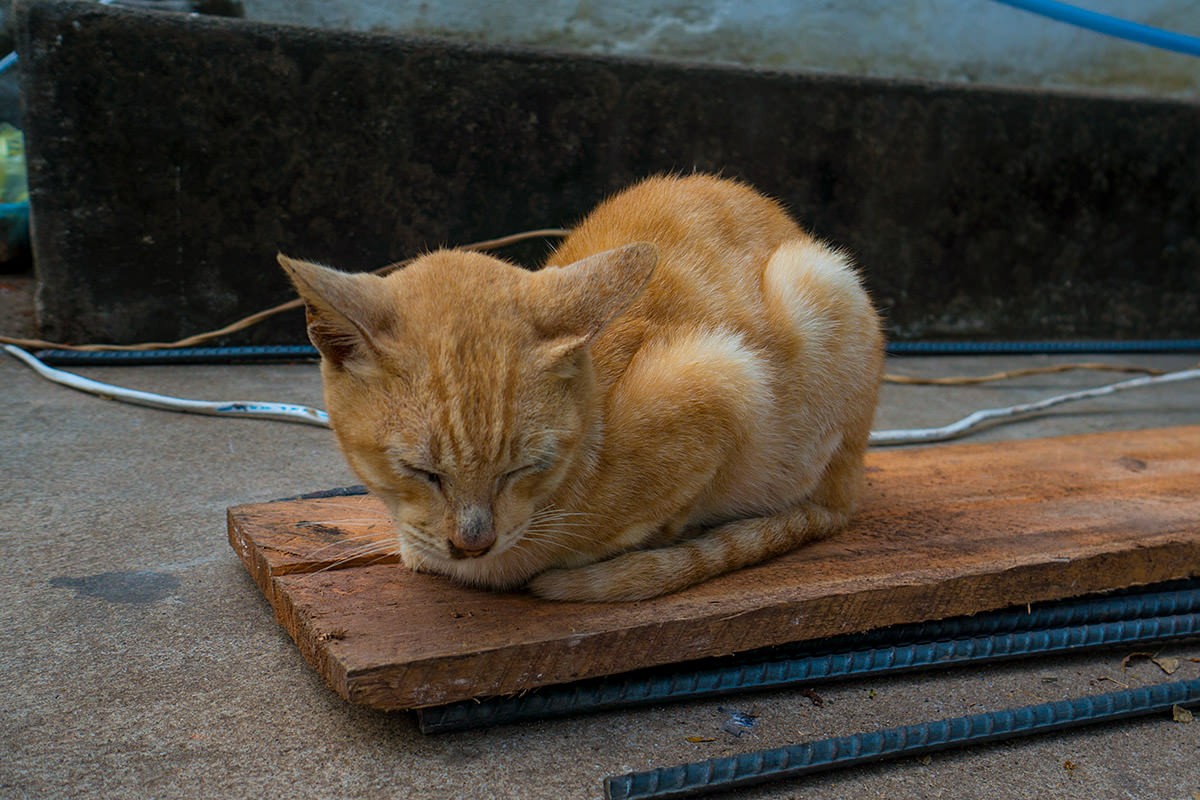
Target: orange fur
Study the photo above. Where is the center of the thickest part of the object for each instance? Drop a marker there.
(686, 388)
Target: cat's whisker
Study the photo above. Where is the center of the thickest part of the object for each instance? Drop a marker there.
(352, 542)
(563, 515)
(370, 547)
(552, 534)
(558, 510)
(363, 557)
(549, 533)
(552, 522)
(565, 521)
(365, 547)
(418, 546)
(527, 561)
(549, 525)
(570, 523)
(555, 540)
(347, 564)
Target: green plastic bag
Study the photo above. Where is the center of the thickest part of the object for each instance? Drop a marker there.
(15, 189)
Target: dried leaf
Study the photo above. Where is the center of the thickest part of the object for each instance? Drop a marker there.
(1125, 661)
(1069, 765)
(813, 696)
(700, 739)
(1181, 714)
(1167, 665)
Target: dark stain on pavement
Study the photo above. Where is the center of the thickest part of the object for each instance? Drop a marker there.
(132, 588)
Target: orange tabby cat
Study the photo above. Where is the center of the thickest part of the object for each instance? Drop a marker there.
(686, 388)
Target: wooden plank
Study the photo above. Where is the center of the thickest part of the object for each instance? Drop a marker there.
(308, 536)
(944, 531)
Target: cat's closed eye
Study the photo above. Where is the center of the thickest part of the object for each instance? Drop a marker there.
(513, 475)
(434, 479)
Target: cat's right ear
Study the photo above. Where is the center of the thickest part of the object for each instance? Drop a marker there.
(580, 299)
(343, 311)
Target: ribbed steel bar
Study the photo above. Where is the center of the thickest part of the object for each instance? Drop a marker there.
(1176, 597)
(345, 491)
(248, 354)
(1131, 619)
(925, 348)
(720, 774)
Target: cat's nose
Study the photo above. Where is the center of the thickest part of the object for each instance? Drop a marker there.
(474, 533)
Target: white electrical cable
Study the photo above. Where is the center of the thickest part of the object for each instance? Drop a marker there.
(988, 416)
(314, 416)
(284, 412)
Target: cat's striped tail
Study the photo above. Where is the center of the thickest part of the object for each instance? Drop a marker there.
(642, 574)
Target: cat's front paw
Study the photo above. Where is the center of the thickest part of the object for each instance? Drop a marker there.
(620, 578)
(555, 584)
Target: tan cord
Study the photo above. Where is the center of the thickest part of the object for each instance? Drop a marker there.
(1018, 373)
(254, 319)
(543, 233)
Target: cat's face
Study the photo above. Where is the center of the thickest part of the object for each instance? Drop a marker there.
(461, 392)
(464, 448)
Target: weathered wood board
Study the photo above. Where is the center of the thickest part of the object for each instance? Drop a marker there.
(944, 531)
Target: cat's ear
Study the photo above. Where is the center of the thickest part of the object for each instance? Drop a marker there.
(343, 310)
(580, 299)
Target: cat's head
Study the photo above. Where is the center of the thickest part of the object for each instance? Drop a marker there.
(462, 392)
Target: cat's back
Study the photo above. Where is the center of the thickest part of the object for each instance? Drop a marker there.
(714, 237)
(694, 220)
(747, 310)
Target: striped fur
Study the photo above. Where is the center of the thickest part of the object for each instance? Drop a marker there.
(684, 389)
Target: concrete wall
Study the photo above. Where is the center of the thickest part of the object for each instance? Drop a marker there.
(171, 157)
(955, 40)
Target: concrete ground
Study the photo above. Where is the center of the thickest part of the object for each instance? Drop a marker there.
(138, 659)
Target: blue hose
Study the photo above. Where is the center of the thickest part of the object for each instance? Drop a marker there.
(1110, 26)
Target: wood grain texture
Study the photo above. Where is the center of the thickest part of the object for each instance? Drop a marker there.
(943, 531)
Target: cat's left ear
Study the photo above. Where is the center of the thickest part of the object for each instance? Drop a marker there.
(580, 299)
(343, 312)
